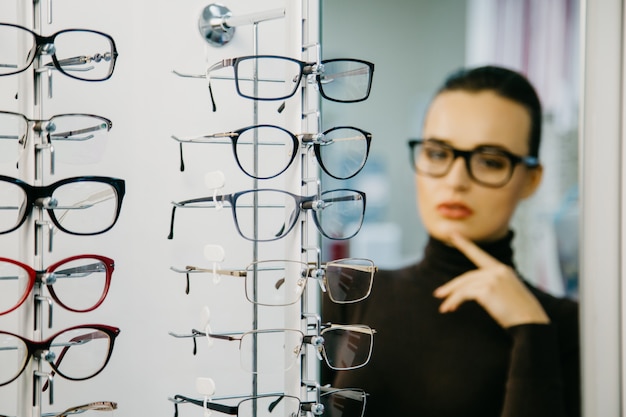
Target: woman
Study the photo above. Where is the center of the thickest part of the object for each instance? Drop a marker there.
(461, 333)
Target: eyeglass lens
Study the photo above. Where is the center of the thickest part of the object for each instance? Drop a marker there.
(347, 347)
(349, 280)
(77, 138)
(281, 282)
(80, 207)
(269, 406)
(275, 347)
(485, 166)
(280, 75)
(343, 403)
(344, 151)
(345, 80)
(275, 283)
(340, 218)
(78, 284)
(81, 54)
(76, 353)
(275, 151)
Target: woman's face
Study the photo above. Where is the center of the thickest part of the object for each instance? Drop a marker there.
(454, 202)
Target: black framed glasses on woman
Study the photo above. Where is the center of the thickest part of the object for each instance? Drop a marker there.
(79, 283)
(273, 77)
(82, 54)
(87, 205)
(282, 282)
(77, 353)
(487, 165)
(266, 151)
(338, 214)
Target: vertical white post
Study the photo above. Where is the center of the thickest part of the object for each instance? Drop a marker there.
(600, 145)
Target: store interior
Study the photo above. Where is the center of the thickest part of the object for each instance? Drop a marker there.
(160, 107)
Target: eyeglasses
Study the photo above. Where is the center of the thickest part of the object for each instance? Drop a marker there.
(343, 80)
(64, 130)
(70, 50)
(343, 347)
(341, 151)
(79, 283)
(338, 214)
(348, 402)
(345, 402)
(490, 166)
(83, 410)
(77, 353)
(262, 405)
(87, 205)
(282, 282)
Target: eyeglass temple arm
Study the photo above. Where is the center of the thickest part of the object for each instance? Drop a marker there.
(75, 272)
(198, 139)
(218, 199)
(68, 135)
(194, 269)
(95, 406)
(220, 408)
(328, 78)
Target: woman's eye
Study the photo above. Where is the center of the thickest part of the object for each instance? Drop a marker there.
(435, 154)
(492, 162)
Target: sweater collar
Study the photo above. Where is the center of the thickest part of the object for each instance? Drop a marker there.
(450, 260)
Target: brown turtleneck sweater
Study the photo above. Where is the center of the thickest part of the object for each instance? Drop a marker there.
(428, 364)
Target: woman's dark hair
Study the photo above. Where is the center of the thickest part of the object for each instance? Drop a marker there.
(506, 83)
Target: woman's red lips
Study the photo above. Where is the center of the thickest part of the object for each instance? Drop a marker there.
(454, 210)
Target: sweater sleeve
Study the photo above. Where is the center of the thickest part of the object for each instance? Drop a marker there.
(542, 374)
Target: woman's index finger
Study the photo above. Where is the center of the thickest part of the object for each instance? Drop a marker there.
(472, 251)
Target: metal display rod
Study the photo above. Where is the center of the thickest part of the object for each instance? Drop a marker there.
(217, 24)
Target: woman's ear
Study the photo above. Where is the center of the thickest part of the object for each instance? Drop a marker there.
(533, 179)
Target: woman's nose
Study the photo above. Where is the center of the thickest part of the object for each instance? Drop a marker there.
(457, 176)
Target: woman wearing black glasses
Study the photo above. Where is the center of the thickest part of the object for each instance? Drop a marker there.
(462, 333)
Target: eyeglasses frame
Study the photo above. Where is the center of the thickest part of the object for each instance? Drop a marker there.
(34, 193)
(49, 40)
(529, 161)
(303, 202)
(34, 274)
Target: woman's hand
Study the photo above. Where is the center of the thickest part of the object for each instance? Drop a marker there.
(494, 286)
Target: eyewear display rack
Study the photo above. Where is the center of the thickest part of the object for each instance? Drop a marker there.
(35, 236)
(301, 113)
